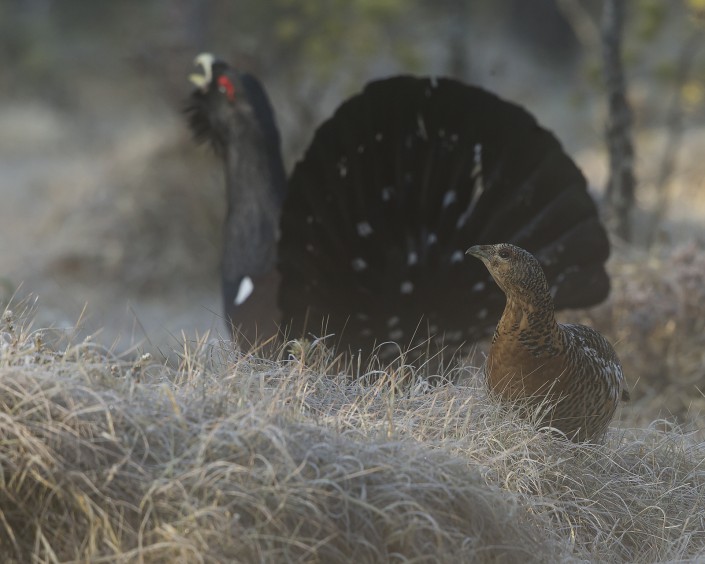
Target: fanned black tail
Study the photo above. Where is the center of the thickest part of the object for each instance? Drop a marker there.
(398, 184)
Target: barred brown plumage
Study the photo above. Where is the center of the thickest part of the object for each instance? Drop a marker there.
(570, 372)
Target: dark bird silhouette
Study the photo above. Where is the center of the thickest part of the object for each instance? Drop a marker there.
(367, 237)
(570, 372)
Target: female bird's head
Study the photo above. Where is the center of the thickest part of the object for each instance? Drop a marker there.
(227, 102)
(516, 271)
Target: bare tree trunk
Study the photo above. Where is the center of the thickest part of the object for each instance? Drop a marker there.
(621, 182)
(675, 127)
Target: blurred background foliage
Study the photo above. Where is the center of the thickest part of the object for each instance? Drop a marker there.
(106, 201)
(318, 51)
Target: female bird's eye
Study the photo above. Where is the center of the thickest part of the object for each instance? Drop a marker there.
(226, 87)
(504, 254)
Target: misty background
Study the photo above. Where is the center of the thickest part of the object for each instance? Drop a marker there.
(111, 216)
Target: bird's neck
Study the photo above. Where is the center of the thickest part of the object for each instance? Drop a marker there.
(256, 185)
(530, 324)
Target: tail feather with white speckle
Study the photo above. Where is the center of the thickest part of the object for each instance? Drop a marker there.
(397, 184)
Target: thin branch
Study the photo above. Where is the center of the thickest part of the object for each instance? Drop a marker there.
(585, 29)
(621, 182)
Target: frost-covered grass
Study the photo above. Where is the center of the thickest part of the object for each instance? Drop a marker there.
(655, 316)
(231, 458)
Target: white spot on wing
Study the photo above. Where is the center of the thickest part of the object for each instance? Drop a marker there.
(434, 82)
(454, 335)
(358, 264)
(386, 194)
(432, 239)
(407, 287)
(449, 198)
(364, 229)
(457, 256)
(477, 150)
(422, 127)
(396, 334)
(413, 258)
(478, 185)
(378, 136)
(392, 321)
(482, 313)
(461, 220)
(478, 287)
(244, 291)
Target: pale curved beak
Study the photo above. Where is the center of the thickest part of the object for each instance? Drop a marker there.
(205, 61)
(479, 251)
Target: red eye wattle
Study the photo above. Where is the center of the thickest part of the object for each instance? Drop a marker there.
(226, 87)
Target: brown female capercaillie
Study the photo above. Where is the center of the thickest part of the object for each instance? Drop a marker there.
(568, 372)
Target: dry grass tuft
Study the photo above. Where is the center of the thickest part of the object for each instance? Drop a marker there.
(656, 318)
(231, 458)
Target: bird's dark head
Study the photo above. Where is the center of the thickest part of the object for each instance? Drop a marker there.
(224, 102)
(516, 271)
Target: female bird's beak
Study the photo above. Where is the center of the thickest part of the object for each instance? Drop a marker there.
(479, 251)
